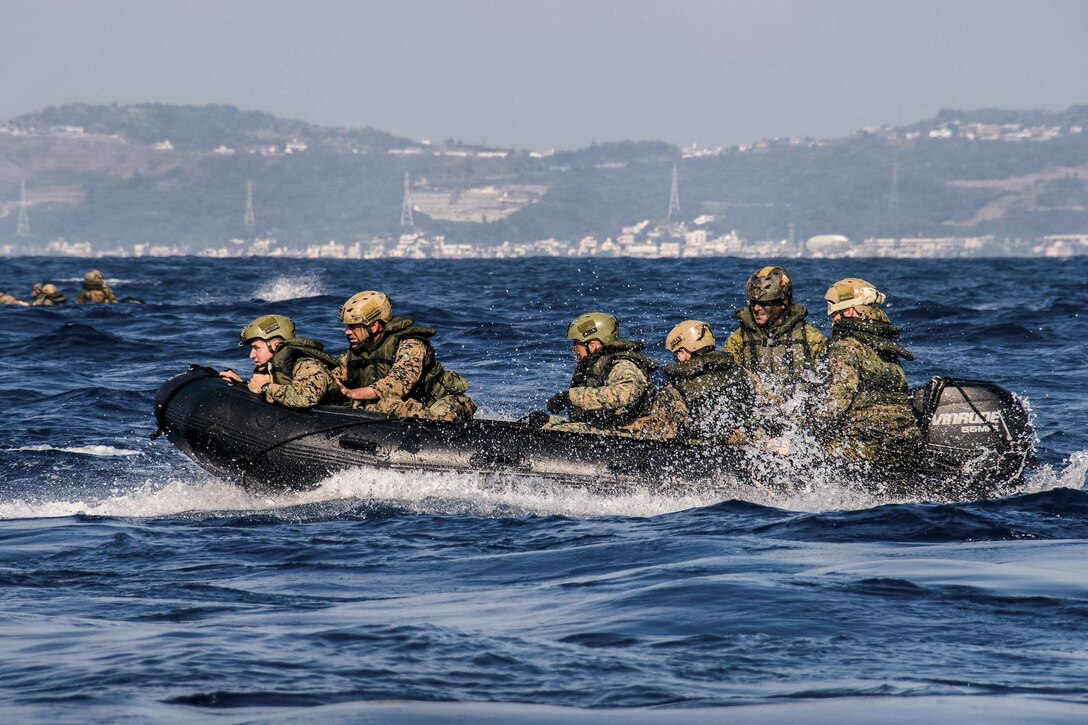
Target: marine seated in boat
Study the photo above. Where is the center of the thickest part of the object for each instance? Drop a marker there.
(611, 384)
(708, 396)
(864, 410)
(290, 371)
(390, 366)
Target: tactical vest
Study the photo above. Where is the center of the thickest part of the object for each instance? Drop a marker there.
(57, 298)
(712, 386)
(366, 367)
(93, 292)
(881, 380)
(592, 372)
(287, 355)
(783, 351)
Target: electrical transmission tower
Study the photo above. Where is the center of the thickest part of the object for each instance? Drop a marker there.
(893, 194)
(674, 196)
(893, 188)
(406, 209)
(250, 220)
(23, 227)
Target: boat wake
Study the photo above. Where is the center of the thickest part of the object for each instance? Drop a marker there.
(381, 493)
(90, 450)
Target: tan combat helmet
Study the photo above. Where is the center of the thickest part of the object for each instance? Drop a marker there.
(36, 289)
(366, 308)
(856, 293)
(93, 276)
(267, 327)
(49, 288)
(594, 326)
(769, 285)
(690, 335)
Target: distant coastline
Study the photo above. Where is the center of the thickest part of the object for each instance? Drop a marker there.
(162, 180)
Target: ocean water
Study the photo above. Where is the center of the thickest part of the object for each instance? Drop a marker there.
(134, 586)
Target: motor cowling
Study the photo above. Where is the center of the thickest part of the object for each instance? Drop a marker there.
(974, 423)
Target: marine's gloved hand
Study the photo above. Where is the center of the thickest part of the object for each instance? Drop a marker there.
(537, 419)
(558, 402)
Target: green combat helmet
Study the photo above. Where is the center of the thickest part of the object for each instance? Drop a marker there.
(366, 308)
(594, 326)
(856, 293)
(690, 335)
(267, 327)
(770, 284)
(93, 276)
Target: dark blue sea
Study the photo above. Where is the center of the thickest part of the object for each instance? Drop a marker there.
(136, 587)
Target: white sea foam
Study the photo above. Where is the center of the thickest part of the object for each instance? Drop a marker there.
(149, 500)
(476, 494)
(101, 451)
(1074, 474)
(285, 287)
(481, 494)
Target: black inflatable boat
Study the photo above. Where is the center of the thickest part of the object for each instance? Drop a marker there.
(979, 443)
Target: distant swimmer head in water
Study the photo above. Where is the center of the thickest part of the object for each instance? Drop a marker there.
(770, 293)
(365, 315)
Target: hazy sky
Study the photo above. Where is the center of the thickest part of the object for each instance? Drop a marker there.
(553, 73)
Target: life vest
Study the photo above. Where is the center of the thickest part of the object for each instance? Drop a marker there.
(592, 372)
(783, 351)
(282, 365)
(366, 367)
(881, 377)
(713, 387)
(95, 292)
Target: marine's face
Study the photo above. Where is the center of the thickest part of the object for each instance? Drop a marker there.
(582, 350)
(362, 334)
(767, 313)
(848, 312)
(682, 355)
(260, 352)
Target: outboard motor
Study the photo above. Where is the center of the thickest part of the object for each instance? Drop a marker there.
(974, 423)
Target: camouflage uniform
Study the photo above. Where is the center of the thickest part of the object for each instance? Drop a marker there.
(49, 299)
(708, 397)
(310, 379)
(610, 388)
(95, 292)
(864, 413)
(778, 355)
(415, 384)
(669, 415)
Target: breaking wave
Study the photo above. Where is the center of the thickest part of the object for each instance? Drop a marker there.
(285, 287)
